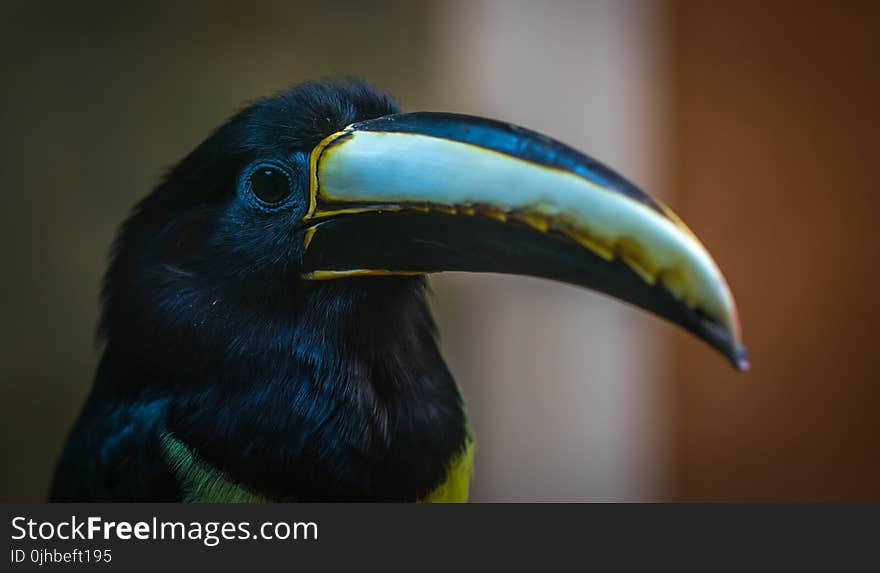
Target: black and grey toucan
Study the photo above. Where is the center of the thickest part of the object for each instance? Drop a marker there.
(267, 334)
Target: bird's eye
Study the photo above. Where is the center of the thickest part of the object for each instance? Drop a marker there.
(270, 184)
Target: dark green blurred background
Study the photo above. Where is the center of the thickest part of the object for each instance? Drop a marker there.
(755, 120)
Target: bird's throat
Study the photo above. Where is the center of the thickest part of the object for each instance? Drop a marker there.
(361, 407)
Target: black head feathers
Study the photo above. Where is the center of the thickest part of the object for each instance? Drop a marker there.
(199, 235)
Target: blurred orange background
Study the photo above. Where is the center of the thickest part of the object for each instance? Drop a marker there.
(776, 114)
(754, 120)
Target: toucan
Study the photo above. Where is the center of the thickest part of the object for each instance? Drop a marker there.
(266, 335)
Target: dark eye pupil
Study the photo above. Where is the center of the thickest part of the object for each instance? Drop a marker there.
(269, 185)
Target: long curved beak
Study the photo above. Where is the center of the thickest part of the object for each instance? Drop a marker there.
(426, 192)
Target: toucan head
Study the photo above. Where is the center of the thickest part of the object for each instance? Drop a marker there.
(305, 199)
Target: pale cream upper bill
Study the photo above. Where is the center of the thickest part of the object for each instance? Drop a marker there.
(383, 167)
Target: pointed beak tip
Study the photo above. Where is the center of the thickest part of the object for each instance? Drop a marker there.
(741, 360)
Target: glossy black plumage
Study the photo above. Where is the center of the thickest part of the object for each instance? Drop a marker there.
(299, 390)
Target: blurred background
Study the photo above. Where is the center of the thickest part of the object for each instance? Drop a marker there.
(755, 120)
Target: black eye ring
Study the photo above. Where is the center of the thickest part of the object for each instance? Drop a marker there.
(269, 183)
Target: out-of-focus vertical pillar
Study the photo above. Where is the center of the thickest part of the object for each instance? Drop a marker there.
(565, 387)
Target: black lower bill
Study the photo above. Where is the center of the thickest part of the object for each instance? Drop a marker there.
(415, 242)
